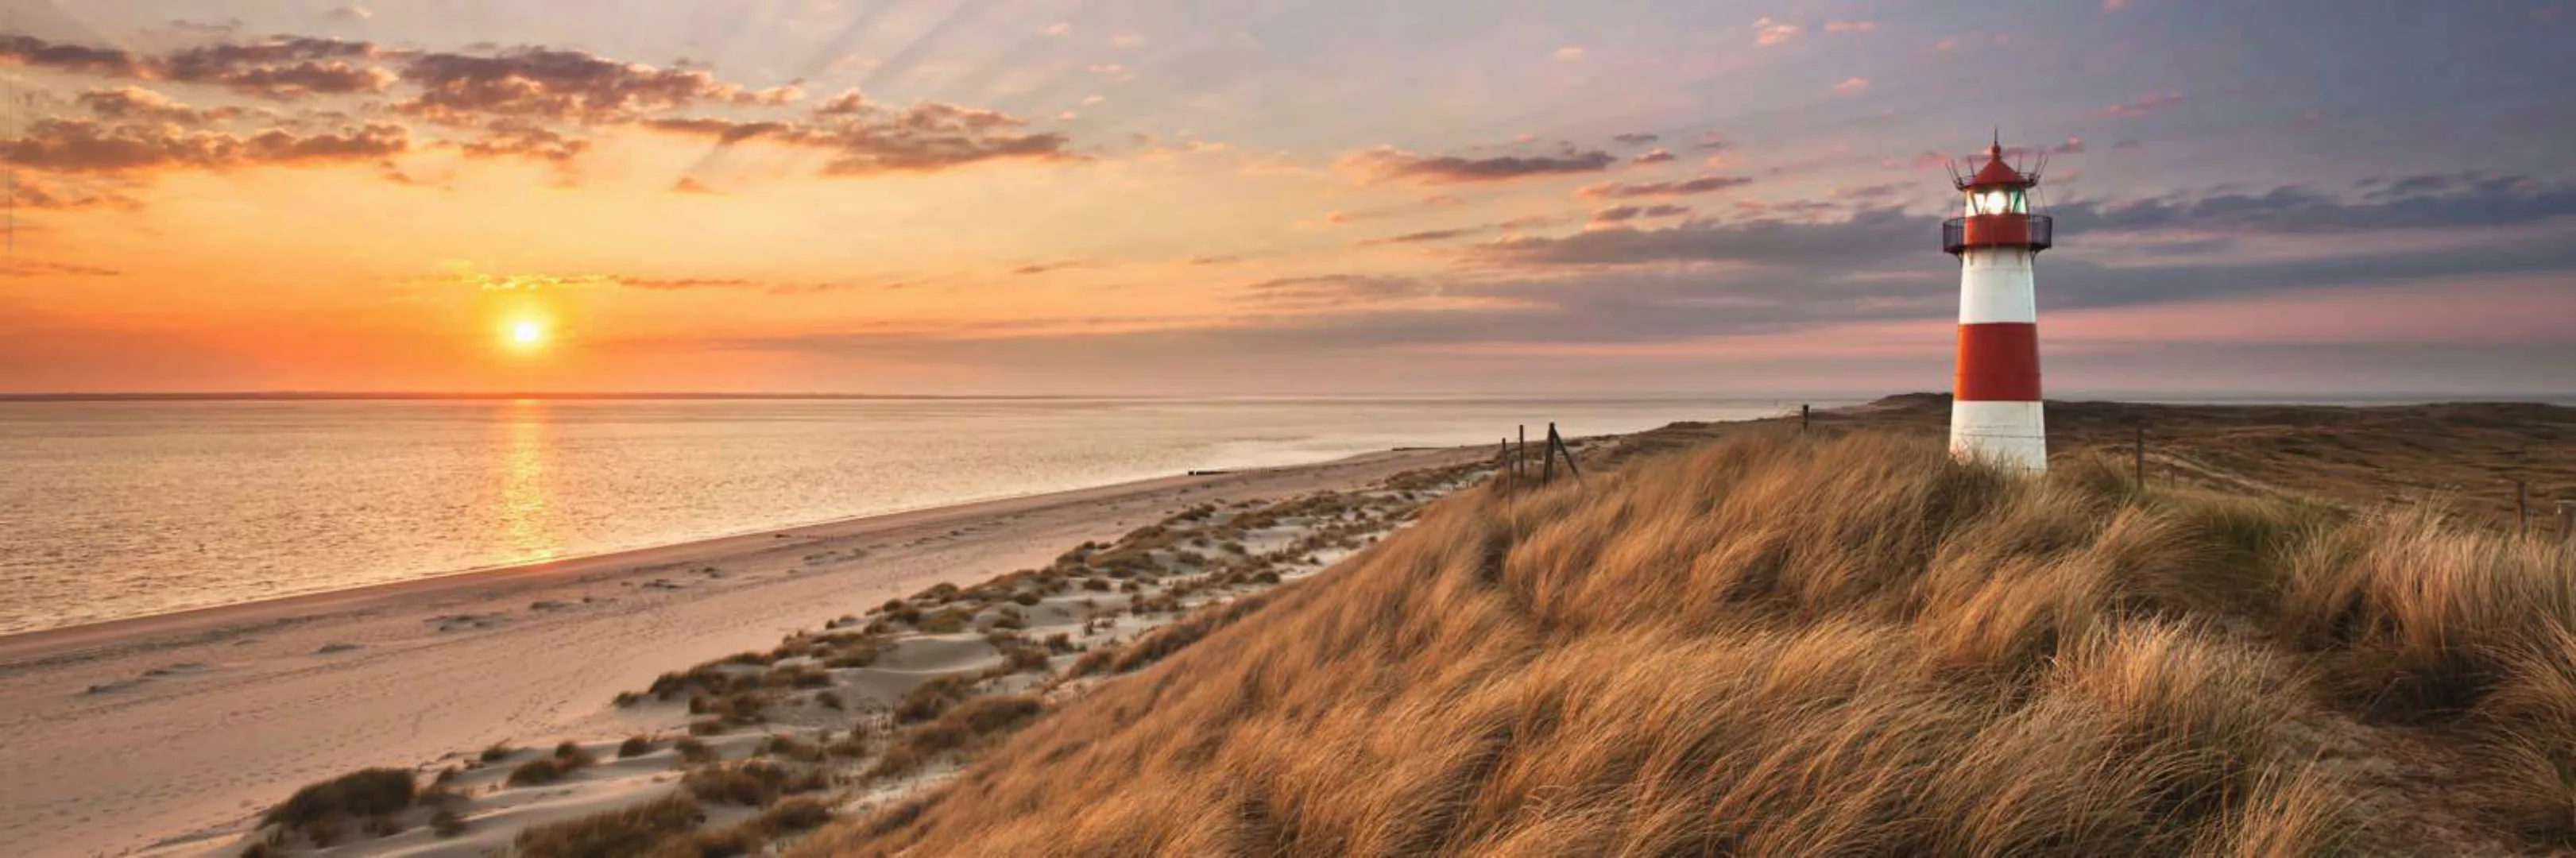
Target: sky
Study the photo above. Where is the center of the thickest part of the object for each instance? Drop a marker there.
(1191, 197)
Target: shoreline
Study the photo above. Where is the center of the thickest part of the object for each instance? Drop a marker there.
(189, 720)
(16, 646)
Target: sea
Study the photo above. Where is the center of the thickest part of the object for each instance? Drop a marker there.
(116, 509)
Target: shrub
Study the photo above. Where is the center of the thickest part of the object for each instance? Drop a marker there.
(931, 698)
(635, 746)
(752, 783)
(363, 793)
(445, 823)
(792, 748)
(572, 752)
(793, 815)
(692, 751)
(945, 621)
(628, 831)
(542, 771)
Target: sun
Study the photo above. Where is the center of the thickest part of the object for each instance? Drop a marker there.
(524, 334)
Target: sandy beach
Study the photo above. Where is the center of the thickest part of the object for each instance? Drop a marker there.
(155, 731)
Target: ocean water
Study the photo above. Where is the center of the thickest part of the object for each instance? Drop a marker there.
(123, 509)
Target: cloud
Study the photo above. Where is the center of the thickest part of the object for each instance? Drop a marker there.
(866, 139)
(1044, 267)
(134, 103)
(2427, 201)
(2072, 146)
(1769, 33)
(1700, 185)
(1870, 192)
(83, 146)
(1427, 236)
(1852, 85)
(280, 68)
(349, 12)
(37, 193)
(1333, 290)
(1636, 139)
(1710, 141)
(1654, 156)
(1625, 213)
(223, 28)
(15, 268)
(2144, 105)
(684, 283)
(1387, 162)
(1868, 233)
(1850, 26)
(105, 62)
(520, 138)
(564, 85)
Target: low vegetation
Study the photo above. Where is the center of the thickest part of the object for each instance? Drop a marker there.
(1818, 644)
(321, 811)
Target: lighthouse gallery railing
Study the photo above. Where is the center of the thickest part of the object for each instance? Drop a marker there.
(2032, 231)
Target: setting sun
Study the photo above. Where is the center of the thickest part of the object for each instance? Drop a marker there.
(526, 334)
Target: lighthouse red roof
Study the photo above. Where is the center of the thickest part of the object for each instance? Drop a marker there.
(1996, 172)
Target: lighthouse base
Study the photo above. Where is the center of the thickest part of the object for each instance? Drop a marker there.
(2008, 435)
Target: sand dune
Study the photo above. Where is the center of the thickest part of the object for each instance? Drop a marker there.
(161, 731)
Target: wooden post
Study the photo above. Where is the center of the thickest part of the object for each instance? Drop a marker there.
(1802, 417)
(1557, 443)
(2138, 457)
(1503, 463)
(1520, 457)
(2521, 508)
(1547, 457)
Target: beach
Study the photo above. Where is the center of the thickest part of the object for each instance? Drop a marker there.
(156, 732)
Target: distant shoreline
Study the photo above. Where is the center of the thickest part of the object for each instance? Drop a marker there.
(2152, 398)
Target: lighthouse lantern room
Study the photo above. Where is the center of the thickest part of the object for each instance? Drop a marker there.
(1995, 406)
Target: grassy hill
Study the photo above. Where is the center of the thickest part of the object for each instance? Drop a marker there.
(1836, 643)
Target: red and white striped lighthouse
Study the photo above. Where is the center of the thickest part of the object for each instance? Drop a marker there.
(1994, 408)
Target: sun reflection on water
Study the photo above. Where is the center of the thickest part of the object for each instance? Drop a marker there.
(524, 512)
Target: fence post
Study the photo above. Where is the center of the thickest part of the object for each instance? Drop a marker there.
(2138, 457)
(1802, 417)
(2521, 508)
(1520, 455)
(1547, 457)
(1503, 463)
(1557, 443)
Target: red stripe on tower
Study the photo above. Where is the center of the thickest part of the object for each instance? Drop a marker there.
(1998, 362)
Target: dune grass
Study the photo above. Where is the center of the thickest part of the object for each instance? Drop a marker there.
(1799, 645)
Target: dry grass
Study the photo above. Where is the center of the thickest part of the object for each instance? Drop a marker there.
(631, 831)
(317, 810)
(1786, 645)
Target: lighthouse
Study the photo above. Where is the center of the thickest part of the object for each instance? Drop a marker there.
(1994, 407)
